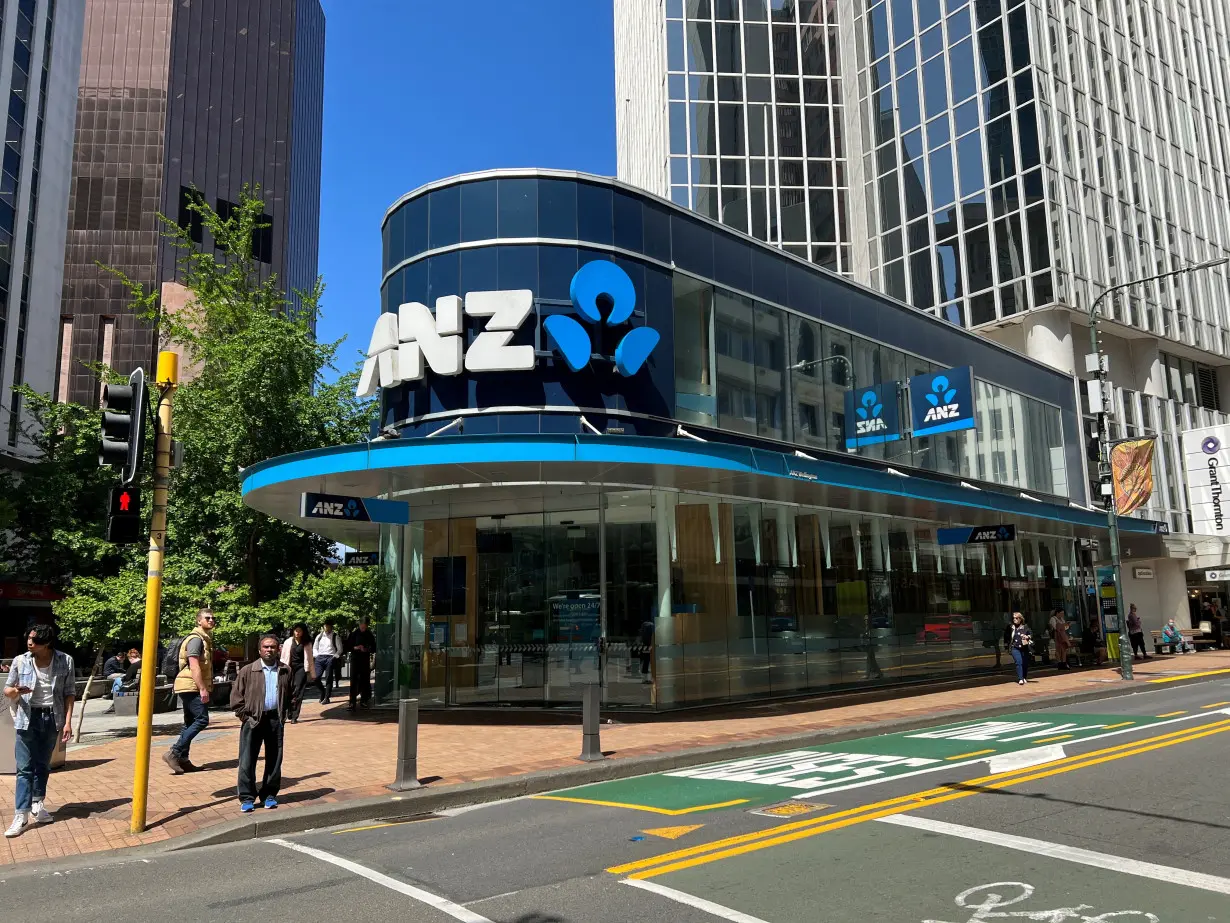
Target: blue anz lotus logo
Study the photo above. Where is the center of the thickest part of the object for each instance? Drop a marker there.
(601, 292)
(869, 415)
(941, 398)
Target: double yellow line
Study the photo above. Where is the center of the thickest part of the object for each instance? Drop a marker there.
(786, 833)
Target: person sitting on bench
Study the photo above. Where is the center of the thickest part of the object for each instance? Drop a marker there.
(1172, 636)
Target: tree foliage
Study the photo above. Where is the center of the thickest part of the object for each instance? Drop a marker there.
(254, 388)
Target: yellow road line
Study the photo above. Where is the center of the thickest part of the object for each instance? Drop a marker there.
(1173, 714)
(897, 809)
(369, 827)
(962, 756)
(645, 807)
(903, 802)
(1123, 724)
(1047, 740)
(1215, 705)
(1175, 679)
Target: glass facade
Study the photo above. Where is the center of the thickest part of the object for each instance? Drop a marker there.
(672, 599)
(158, 120)
(956, 215)
(756, 121)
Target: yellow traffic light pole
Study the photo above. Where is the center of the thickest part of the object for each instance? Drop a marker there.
(166, 380)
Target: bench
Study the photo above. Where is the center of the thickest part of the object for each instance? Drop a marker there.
(1191, 635)
(126, 702)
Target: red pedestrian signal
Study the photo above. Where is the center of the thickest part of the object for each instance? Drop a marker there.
(124, 525)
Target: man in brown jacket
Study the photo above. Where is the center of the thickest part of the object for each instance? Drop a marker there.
(259, 699)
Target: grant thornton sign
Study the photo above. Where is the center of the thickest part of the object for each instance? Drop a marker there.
(1206, 458)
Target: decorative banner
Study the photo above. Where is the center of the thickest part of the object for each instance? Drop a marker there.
(871, 415)
(1206, 452)
(943, 401)
(1131, 465)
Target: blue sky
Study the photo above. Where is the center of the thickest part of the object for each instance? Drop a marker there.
(416, 90)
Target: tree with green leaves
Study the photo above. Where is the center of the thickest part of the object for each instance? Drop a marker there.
(255, 388)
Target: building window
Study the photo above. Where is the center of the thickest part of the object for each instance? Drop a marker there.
(65, 364)
(190, 220)
(87, 203)
(1191, 382)
(128, 213)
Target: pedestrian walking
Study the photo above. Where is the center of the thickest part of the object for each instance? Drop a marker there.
(1136, 633)
(259, 698)
(325, 649)
(1059, 632)
(194, 684)
(1020, 640)
(362, 645)
(297, 655)
(41, 690)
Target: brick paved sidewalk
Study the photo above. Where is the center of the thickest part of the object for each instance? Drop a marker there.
(332, 757)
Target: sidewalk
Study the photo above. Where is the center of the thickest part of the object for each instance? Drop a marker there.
(332, 756)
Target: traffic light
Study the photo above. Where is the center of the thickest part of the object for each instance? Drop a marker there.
(124, 519)
(123, 426)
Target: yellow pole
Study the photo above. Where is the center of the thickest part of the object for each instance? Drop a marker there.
(166, 380)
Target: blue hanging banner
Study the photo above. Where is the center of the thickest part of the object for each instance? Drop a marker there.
(941, 402)
(871, 415)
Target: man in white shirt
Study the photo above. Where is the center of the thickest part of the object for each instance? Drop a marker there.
(327, 647)
(41, 690)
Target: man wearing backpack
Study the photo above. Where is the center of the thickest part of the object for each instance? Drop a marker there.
(193, 684)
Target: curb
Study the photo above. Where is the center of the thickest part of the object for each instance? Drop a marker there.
(430, 799)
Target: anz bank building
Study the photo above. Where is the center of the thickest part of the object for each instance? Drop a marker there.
(622, 444)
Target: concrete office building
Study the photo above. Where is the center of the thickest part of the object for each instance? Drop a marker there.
(177, 97)
(40, 55)
(1005, 162)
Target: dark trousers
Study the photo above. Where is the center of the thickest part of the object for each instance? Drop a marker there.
(1021, 659)
(1138, 642)
(360, 677)
(253, 736)
(335, 673)
(324, 671)
(33, 751)
(298, 680)
(196, 719)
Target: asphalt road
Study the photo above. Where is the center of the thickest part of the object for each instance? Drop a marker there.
(1113, 810)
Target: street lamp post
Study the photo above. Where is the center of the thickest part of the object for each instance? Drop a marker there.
(1104, 466)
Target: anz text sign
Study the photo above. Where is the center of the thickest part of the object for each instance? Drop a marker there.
(871, 415)
(942, 402)
(406, 344)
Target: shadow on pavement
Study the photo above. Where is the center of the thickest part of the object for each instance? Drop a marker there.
(83, 809)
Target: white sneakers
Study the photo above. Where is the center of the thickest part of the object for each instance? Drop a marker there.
(38, 815)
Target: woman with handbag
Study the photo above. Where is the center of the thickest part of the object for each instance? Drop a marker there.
(1020, 640)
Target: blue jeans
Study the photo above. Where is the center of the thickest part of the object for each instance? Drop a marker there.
(116, 685)
(196, 719)
(35, 745)
(1021, 659)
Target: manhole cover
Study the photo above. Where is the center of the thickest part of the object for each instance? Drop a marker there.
(789, 809)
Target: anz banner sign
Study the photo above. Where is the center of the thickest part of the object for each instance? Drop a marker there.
(943, 401)
(871, 415)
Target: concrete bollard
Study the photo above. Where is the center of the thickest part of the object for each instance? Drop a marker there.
(407, 746)
(591, 747)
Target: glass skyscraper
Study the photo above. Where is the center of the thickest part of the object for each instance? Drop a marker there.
(998, 163)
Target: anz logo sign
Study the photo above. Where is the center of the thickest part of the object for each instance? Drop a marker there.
(870, 420)
(939, 398)
(942, 402)
(871, 416)
(404, 345)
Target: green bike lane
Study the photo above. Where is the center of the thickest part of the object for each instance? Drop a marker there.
(809, 774)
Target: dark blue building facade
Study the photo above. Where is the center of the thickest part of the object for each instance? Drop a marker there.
(639, 449)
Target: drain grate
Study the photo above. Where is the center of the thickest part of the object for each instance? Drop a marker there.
(789, 808)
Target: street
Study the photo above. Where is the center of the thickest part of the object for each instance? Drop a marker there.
(1115, 809)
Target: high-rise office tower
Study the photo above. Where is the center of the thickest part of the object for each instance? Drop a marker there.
(734, 108)
(182, 99)
(1003, 161)
(40, 55)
